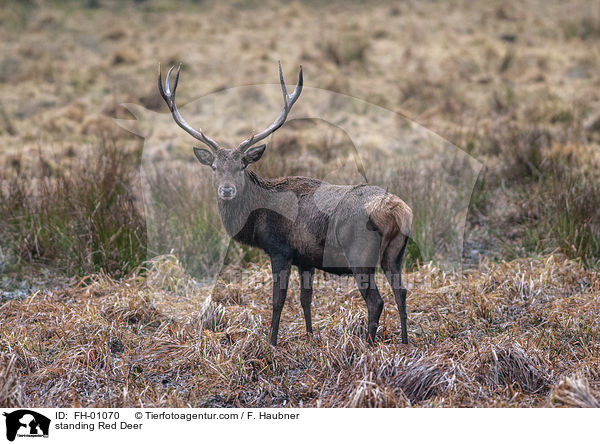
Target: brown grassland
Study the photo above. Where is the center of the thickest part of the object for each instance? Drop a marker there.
(94, 314)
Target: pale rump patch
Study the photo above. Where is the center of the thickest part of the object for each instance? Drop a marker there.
(390, 214)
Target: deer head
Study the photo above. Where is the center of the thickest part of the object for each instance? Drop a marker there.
(228, 165)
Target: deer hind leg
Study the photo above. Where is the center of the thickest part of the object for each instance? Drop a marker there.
(365, 280)
(306, 291)
(391, 262)
(362, 254)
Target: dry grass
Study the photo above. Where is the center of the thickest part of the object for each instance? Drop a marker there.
(574, 392)
(509, 89)
(514, 89)
(80, 216)
(10, 388)
(502, 335)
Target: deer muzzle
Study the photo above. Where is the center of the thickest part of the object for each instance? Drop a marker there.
(227, 192)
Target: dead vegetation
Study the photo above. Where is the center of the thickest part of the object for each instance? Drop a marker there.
(518, 93)
(519, 326)
(10, 386)
(157, 338)
(574, 392)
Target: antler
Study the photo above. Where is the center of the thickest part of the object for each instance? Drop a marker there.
(288, 102)
(169, 97)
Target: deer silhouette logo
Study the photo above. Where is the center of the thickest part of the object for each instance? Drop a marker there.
(26, 423)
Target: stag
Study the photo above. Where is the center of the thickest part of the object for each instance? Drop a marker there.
(340, 229)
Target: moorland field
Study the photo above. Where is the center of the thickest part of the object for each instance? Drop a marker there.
(484, 117)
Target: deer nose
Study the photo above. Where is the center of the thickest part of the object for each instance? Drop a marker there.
(227, 192)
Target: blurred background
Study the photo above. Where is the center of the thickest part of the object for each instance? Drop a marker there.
(515, 85)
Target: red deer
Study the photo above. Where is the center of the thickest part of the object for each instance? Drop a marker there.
(340, 229)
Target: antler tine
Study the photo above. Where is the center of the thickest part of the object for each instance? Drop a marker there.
(168, 80)
(161, 90)
(298, 88)
(165, 91)
(169, 97)
(283, 87)
(288, 102)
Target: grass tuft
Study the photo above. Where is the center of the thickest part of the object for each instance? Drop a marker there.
(10, 388)
(424, 378)
(510, 366)
(574, 391)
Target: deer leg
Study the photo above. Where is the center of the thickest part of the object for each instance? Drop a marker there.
(392, 267)
(394, 277)
(281, 274)
(365, 279)
(401, 303)
(306, 291)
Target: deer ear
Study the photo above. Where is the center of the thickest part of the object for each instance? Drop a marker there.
(254, 154)
(204, 156)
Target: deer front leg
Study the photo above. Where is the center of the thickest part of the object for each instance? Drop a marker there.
(306, 290)
(281, 275)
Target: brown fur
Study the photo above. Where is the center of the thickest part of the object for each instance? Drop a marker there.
(390, 214)
(392, 217)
